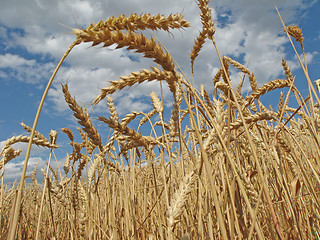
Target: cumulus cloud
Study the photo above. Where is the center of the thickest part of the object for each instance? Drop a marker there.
(241, 32)
(35, 34)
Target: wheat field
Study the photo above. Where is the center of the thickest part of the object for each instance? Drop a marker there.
(225, 166)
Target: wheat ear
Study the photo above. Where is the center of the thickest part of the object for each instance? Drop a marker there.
(141, 22)
(8, 154)
(198, 43)
(275, 84)
(36, 133)
(180, 198)
(206, 18)
(134, 42)
(83, 118)
(136, 78)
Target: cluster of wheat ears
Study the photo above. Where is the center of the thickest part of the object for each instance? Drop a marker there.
(223, 167)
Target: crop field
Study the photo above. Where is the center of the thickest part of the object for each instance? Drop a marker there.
(222, 166)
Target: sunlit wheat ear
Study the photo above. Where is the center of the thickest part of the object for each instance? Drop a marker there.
(180, 198)
(136, 78)
(266, 115)
(237, 65)
(224, 87)
(132, 41)
(198, 43)
(253, 82)
(225, 77)
(66, 166)
(145, 141)
(280, 104)
(141, 22)
(8, 154)
(296, 33)
(68, 132)
(36, 141)
(206, 18)
(53, 137)
(129, 117)
(113, 112)
(147, 117)
(82, 117)
(287, 71)
(93, 168)
(36, 134)
(88, 144)
(217, 76)
(274, 84)
(174, 119)
(157, 104)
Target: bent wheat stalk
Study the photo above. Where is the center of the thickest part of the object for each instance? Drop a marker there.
(13, 227)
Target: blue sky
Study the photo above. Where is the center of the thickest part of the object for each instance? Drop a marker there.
(35, 34)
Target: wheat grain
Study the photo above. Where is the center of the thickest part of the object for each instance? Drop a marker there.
(253, 82)
(134, 78)
(132, 41)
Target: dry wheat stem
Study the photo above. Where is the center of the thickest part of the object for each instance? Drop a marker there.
(266, 191)
(13, 227)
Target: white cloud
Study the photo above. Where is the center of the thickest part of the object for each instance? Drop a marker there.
(247, 30)
(245, 25)
(244, 34)
(15, 67)
(11, 61)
